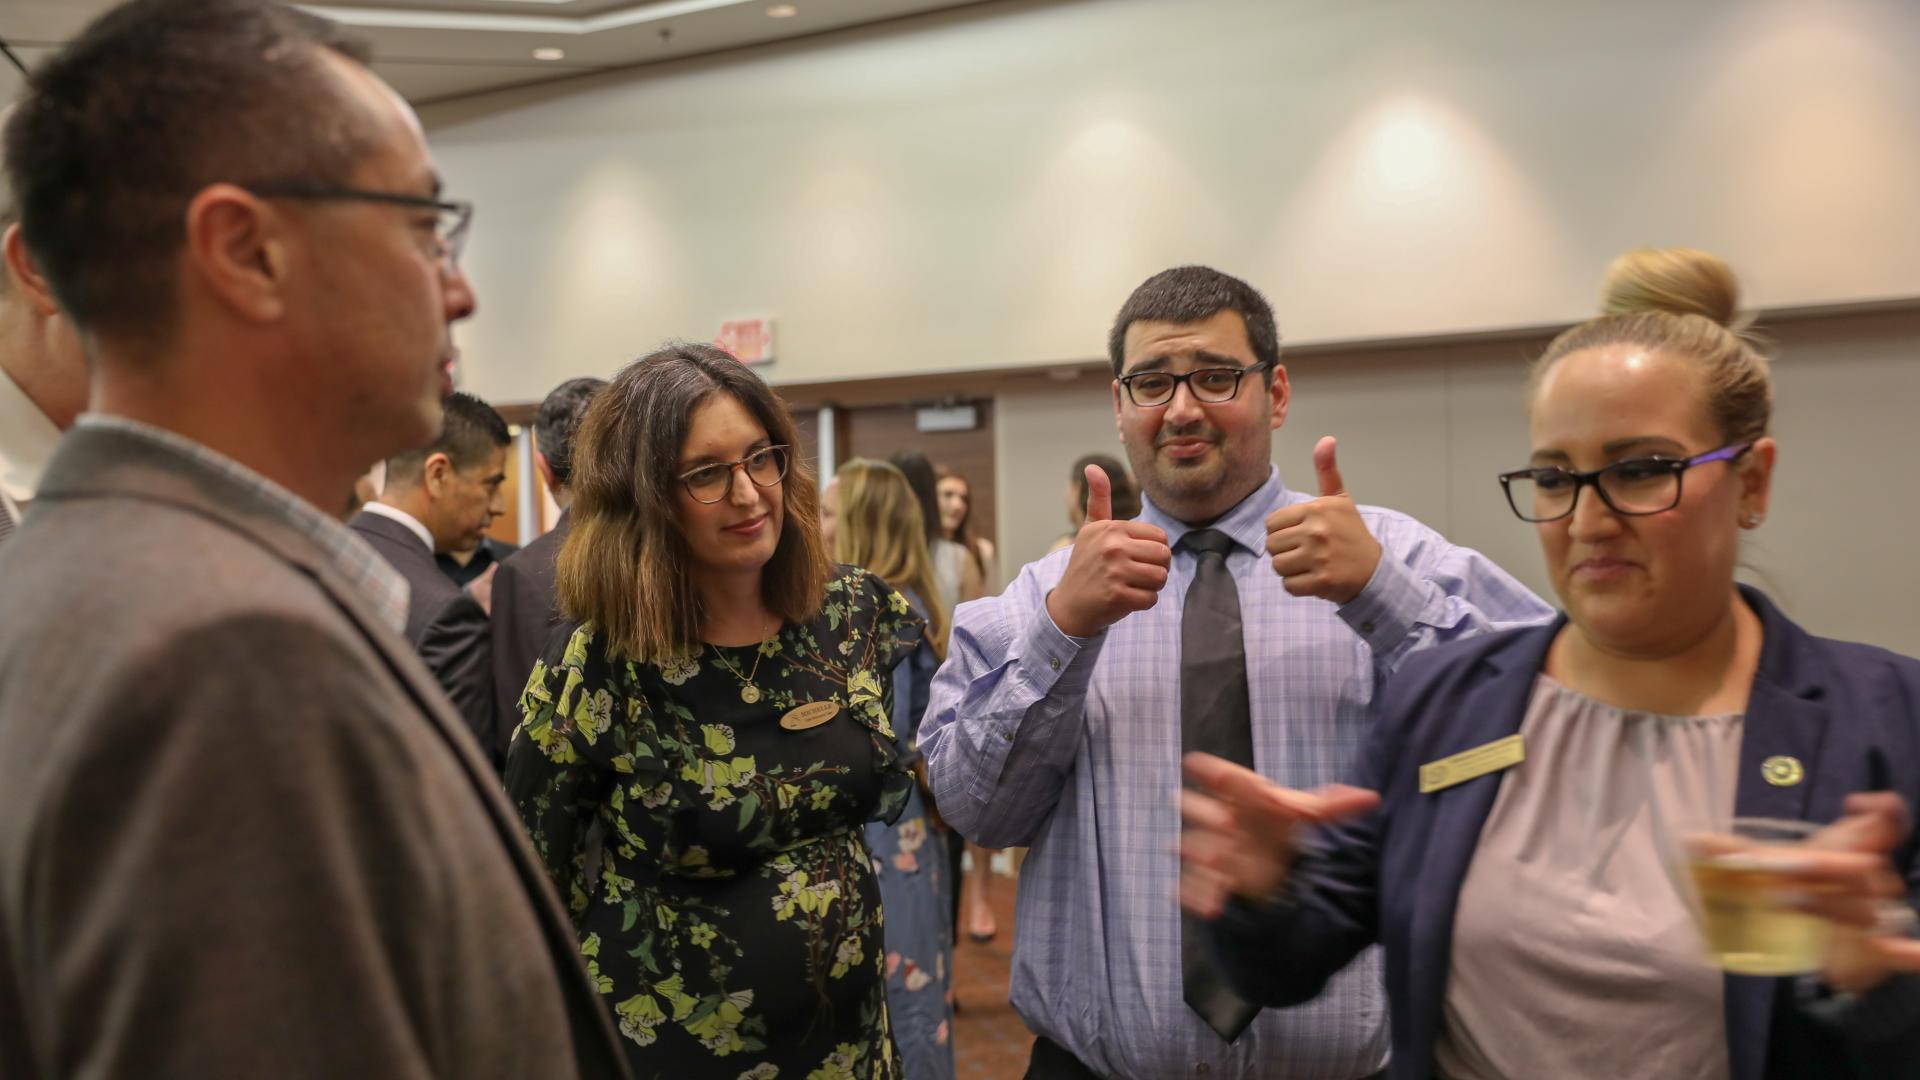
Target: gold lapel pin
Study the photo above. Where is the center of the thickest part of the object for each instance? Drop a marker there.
(1783, 771)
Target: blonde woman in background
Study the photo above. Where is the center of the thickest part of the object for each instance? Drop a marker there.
(957, 579)
(870, 518)
(1536, 916)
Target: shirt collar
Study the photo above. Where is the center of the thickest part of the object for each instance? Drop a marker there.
(361, 566)
(27, 439)
(412, 523)
(1245, 524)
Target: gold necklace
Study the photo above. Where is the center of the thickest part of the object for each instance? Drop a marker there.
(749, 690)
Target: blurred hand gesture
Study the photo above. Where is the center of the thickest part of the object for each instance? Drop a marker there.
(1240, 830)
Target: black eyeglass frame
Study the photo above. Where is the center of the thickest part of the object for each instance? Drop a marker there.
(1676, 466)
(1239, 375)
(786, 462)
(450, 243)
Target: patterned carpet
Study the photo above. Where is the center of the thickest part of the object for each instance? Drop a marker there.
(990, 1042)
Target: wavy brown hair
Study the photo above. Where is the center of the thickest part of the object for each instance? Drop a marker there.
(626, 566)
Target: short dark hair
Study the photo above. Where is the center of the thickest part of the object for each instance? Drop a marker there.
(470, 432)
(625, 563)
(153, 102)
(559, 419)
(1126, 494)
(925, 483)
(1187, 294)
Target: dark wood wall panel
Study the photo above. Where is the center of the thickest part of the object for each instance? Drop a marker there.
(875, 431)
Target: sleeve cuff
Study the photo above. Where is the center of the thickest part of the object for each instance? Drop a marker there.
(1885, 1013)
(1051, 654)
(1051, 663)
(1385, 611)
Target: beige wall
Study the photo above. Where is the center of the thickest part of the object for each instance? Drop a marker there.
(982, 187)
(1425, 430)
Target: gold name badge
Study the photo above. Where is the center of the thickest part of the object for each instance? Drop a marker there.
(810, 715)
(1468, 764)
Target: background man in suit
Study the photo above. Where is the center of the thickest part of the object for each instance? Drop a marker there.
(43, 376)
(523, 603)
(241, 832)
(438, 498)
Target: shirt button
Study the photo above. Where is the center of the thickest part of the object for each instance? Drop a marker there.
(1367, 627)
(1054, 663)
(1203, 1069)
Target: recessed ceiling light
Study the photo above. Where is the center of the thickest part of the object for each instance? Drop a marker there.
(548, 52)
(782, 11)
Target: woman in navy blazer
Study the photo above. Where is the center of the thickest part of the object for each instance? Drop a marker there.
(1662, 411)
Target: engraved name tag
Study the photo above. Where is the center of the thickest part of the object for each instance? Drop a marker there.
(1468, 764)
(810, 715)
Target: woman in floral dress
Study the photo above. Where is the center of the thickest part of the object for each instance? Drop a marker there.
(722, 713)
(871, 519)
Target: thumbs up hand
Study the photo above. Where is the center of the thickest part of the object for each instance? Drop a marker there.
(1117, 567)
(1322, 548)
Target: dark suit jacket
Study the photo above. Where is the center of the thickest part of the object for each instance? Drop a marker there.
(242, 833)
(524, 616)
(445, 623)
(1850, 713)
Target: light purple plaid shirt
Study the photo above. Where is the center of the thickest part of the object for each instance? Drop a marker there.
(1072, 746)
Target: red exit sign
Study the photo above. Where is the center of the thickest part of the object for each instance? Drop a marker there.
(749, 340)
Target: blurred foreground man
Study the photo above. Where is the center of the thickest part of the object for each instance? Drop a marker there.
(241, 832)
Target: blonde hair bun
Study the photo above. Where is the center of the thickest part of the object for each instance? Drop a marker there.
(1677, 281)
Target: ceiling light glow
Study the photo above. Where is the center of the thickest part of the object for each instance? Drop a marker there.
(782, 11)
(548, 52)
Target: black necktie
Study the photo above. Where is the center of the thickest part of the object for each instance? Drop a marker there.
(1214, 719)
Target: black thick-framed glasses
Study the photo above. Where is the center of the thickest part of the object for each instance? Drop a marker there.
(449, 229)
(1211, 385)
(713, 482)
(1634, 487)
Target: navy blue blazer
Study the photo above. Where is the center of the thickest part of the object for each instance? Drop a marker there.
(1850, 713)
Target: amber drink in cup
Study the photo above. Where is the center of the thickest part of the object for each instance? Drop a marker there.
(1745, 899)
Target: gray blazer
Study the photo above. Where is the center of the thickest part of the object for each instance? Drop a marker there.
(242, 833)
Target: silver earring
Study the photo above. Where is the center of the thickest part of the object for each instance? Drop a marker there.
(1750, 520)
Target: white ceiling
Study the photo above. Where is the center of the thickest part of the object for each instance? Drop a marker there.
(432, 50)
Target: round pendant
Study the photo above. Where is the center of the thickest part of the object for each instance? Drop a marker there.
(750, 694)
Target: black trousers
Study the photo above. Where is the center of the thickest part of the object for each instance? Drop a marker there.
(1050, 1061)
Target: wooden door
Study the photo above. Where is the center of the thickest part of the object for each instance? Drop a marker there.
(875, 431)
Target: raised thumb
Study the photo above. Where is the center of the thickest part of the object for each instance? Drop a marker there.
(1326, 469)
(1099, 494)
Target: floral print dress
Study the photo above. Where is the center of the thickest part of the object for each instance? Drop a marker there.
(727, 905)
(911, 861)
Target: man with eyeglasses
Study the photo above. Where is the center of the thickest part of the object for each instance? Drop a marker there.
(1234, 616)
(242, 832)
